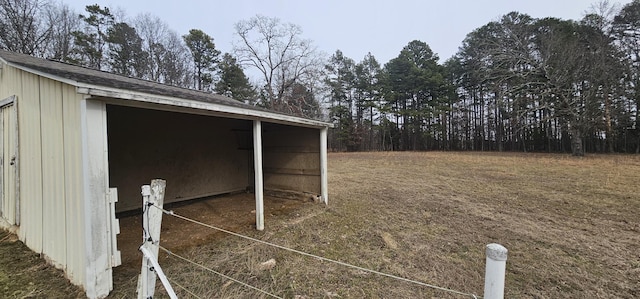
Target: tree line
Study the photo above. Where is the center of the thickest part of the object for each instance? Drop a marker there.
(516, 84)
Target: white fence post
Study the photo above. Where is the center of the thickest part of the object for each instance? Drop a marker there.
(158, 270)
(495, 271)
(151, 223)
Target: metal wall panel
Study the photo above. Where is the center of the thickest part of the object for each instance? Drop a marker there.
(30, 161)
(50, 169)
(53, 193)
(74, 210)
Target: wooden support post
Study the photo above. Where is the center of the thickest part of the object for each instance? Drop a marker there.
(151, 222)
(495, 271)
(257, 166)
(323, 166)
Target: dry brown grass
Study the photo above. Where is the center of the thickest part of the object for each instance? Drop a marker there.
(24, 274)
(571, 226)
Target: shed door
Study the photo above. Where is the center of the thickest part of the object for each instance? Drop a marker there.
(9, 205)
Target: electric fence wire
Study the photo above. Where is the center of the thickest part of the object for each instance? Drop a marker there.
(183, 288)
(218, 273)
(318, 257)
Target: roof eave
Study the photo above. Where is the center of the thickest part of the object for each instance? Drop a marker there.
(95, 90)
(238, 112)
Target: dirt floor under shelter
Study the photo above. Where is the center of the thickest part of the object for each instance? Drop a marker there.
(235, 212)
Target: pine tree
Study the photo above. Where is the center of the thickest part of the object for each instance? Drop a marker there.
(205, 56)
(233, 82)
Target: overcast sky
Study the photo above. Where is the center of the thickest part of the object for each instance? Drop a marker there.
(355, 27)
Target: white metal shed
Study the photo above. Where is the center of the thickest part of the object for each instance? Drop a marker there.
(75, 140)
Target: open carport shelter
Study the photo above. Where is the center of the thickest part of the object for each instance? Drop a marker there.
(78, 143)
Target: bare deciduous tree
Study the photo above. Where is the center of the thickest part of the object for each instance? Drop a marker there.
(25, 26)
(66, 22)
(176, 67)
(279, 53)
(168, 57)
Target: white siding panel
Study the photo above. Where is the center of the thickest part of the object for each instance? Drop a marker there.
(53, 187)
(30, 162)
(73, 185)
(9, 82)
(51, 193)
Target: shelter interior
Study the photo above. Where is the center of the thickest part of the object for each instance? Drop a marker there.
(203, 155)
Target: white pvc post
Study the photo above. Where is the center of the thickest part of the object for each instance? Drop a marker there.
(158, 270)
(259, 180)
(142, 279)
(495, 271)
(324, 193)
(151, 222)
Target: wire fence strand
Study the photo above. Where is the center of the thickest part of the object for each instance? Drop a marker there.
(218, 273)
(183, 288)
(319, 257)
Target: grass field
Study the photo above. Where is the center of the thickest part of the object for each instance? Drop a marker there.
(572, 227)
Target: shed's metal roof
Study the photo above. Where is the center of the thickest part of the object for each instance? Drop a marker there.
(83, 77)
